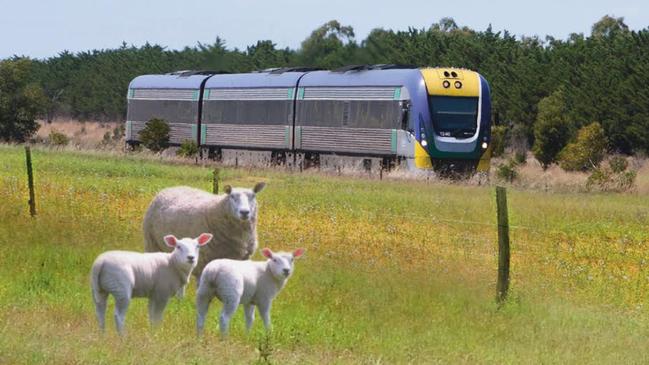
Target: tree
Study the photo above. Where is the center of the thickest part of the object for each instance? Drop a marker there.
(551, 131)
(587, 151)
(330, 46)
(608, 26)
(264, 55)
(21, 100)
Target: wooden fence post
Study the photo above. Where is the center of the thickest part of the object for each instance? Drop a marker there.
(215, 180)
(502, 285)
(30, 181)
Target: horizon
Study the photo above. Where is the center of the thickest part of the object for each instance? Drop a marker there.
(107, 26)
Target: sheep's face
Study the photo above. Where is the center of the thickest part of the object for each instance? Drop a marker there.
(186, 250)
(281, 263)
(243, 202)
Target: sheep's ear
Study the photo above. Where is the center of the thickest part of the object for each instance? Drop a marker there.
(204, 238)
(298, 253)
(227, 189)
(171, 240)
(259, 187)
(267, 253)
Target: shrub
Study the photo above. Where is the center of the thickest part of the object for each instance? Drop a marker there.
(118, 132)
(520, 158)
(615, 177)
(58, 138)
(587, 152)
(155, 135)
(551, 130)
(106, 138)
(188, 148)
(618, 164)
(507, 171)
(498, 140)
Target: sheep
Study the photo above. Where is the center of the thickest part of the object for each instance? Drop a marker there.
(185, 211)
(157, 276)
(251, 283)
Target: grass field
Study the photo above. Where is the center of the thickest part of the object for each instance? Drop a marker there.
(395, 271)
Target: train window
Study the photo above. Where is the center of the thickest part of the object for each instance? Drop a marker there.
(454, 116)
(405, 114)
(264, 112)
(350, 113)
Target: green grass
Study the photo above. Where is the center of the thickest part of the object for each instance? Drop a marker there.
(395, 271)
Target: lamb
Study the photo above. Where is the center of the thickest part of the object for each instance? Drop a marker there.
(251, 283)
(156, 276)
(186, 212)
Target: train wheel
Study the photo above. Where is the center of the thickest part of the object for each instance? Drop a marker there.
(455, 169)
(311, 160)
(277, 158)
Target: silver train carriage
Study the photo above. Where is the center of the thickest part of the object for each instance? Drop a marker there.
(423, 118)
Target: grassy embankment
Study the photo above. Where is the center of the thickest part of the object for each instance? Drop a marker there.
(395, 271)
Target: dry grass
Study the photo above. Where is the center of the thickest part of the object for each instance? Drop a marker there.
(89, 135)
(86, 135)
(531, 176)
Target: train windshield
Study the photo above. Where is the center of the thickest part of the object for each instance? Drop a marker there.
(454, 116)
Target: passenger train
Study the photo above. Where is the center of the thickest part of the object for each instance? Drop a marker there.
(421, 118)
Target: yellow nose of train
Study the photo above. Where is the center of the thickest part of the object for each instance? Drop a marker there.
(451, 82)
(464, 87)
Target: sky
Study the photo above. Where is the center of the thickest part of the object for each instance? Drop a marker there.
(42, 29)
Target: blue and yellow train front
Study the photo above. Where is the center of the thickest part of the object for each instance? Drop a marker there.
(458, 131)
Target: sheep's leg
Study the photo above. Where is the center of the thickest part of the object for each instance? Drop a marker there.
(121, 306)
(249, 311)
(156, 309)
(100, 309)
(229, 307)
(203, 299)
(264, 312)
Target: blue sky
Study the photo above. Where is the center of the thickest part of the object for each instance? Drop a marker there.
(42, 29)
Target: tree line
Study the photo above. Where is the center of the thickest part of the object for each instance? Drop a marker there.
(543, 90)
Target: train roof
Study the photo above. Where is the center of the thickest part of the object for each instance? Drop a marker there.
(169, 81)
(254, 79)
(409, 77)
(349, 76)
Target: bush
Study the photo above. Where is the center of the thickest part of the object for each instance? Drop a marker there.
(58, 138)
(615, 177)
(551, 130)
(188, 148)
(587, 152)
(155, 135)
(618, 164)
(498, 140)
(118, 132)
(507, 171)
(520, 158)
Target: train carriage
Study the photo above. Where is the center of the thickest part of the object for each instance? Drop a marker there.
(423, 118)
(172, 97)
(249, 111)
(357, 112)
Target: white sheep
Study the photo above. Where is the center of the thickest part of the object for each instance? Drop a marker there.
(156, 276)
(251, 283)
(186, 212)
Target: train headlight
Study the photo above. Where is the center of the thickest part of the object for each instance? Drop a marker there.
(458, 85)
(424, 143)
(484, 145)
(446, 84)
